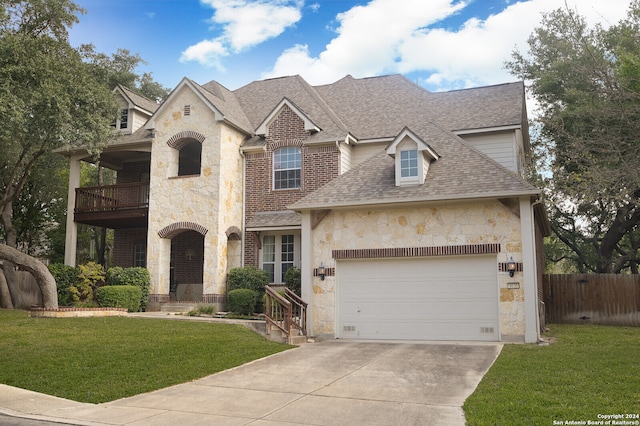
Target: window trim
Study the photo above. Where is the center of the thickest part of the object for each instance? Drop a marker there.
(278, 275)
(275, 170)
(411, 168)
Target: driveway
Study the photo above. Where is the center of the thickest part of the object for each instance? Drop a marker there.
(328, 383)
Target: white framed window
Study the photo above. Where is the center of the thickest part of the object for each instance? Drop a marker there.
(280, 251)
(409, 163)
(287, 167)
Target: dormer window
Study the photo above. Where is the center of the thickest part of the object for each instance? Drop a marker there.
(409, 163)
(124, 118)
(412, 157)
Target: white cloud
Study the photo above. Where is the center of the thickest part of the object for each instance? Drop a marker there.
(367, 40)
(388, 36)
(207, 52)
(244, 23)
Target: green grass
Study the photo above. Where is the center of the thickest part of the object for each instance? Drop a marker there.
(103, 359)
(588, 370)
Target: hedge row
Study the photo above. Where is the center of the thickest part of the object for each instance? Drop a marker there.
(79, 286)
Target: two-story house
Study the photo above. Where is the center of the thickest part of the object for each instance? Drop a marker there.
(406, 210)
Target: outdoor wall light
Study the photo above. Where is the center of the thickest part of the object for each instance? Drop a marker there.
(511, 267)
(321, 271)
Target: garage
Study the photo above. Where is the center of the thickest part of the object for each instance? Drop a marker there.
(427, 298)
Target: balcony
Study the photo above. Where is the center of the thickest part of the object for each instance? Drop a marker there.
(113, 206)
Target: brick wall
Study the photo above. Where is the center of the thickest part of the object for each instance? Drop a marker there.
(131, 172)
(187, 252)
(319, 166)
(123, 242)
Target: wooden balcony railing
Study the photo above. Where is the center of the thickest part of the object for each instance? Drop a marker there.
(112, 197)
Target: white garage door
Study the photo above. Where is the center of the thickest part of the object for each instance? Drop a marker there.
(440, 298)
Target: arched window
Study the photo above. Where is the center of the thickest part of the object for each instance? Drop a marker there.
(287, 166)
(190, 158)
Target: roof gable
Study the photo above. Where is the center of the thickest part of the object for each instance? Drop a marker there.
(421, 144)
(136, 100)
(309, 125)
(261, 99)
(224, 108)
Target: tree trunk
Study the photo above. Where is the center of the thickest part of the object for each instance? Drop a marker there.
(38, 270)
(626, 219)
(11, 236)
(5, 295)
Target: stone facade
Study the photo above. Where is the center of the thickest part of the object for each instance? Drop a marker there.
(209, 202)
(470, 224)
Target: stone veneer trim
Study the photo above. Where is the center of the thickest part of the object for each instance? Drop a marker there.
(416, 251)
(168, 231)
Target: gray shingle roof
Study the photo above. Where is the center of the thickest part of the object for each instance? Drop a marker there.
(227, 103)
(274, 219)
(377, 107)
(380, 107)
(462, 172)
(393, 101)
(139, 100)
(258, 99)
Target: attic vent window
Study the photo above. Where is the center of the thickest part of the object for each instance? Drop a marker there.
(187, 110)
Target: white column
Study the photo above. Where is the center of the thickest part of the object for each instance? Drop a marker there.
(527, 229)
(306, 269)
(158, 263)
(71, 240)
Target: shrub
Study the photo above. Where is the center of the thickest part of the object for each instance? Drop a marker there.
(120, 296)
(91, 276)
(242, 301)
(137, 276)
(293, 280)
(65, 277)
(248, 277)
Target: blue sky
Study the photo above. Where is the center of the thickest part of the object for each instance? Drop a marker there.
(440, 44)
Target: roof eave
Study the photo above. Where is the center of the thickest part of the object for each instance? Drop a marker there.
(534, 193)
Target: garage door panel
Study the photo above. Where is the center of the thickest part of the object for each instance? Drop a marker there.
(453, 298)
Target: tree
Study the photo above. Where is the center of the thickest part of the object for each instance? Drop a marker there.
(587, 84)
(48, 98)
(120, 68)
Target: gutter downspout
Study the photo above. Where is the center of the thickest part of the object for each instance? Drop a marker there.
(244, 192)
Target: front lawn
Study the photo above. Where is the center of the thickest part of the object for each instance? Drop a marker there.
(588, 371)
(103, 359)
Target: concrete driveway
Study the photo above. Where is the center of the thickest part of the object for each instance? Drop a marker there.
(329, 383)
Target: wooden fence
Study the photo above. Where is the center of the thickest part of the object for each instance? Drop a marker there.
(609, 299)
(28, 293)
